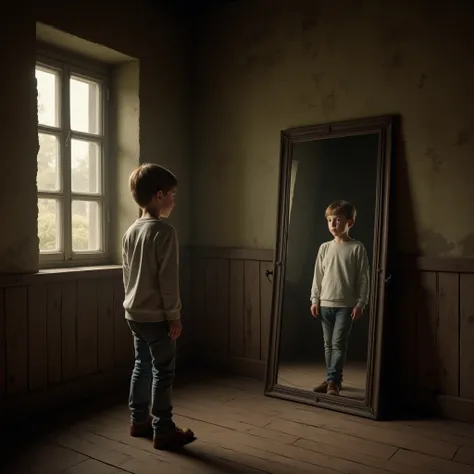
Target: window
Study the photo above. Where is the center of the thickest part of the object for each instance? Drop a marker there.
(71, 164)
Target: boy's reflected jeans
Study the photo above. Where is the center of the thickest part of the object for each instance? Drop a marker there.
(153, 375)
(337, 325)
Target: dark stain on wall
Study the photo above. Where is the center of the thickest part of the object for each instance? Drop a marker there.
(395, 62)
(263, 61)
(464, 136)
(317, 77)
(435, 159)
(467, 246)
(433, 243)
(329, 103)
(421, 81)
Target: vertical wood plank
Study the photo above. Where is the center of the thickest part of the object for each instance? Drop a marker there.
(217, 306)
(199, 304)
(185, 288)
(16, 335)
(266, 290)
(427, 317)
(404, 357)
(87, 327)
(448, 333)
(37, 337)
(252, 309)
(188, 337)
(54, 334)
(236, 310)
(209, 316)
(123, 342)
(3, 351)
(105, 325)
(466, 347)
(222, 306)
(69, 329)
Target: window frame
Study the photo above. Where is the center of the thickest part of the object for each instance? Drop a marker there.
(67, 65)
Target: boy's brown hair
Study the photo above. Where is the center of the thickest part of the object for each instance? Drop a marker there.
(148, 179)
(341, 208)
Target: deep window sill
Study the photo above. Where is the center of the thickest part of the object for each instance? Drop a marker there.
(60, 275)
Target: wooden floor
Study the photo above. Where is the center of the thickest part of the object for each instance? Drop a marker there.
(307, 375)
(241, 431)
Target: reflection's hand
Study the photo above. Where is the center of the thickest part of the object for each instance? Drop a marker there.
(175, 328)
(315, 310)
(356, 313)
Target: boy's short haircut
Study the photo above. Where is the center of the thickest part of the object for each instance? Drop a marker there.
(148, 179)
(341, 208)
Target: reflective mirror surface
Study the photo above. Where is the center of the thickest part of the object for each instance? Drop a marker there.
(331, 253)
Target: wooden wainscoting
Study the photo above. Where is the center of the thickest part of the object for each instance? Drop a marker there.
(63, 334)
(429, 329)
(57, 328)
(231, 297)
(430, 333)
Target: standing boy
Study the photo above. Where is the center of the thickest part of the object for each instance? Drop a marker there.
(153, 306)
(340, 290)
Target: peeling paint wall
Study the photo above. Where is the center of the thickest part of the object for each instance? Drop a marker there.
(159, 41)
(265, 66)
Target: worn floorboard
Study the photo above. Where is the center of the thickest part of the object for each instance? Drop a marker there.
(239, 431)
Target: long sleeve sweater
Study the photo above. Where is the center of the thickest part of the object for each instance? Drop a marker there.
(150, 259)
(341, 275)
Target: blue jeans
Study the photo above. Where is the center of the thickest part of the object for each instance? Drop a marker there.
(153, 375)
(336, 324)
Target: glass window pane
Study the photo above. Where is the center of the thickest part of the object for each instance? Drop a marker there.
(49, 225)
(85, 105)
(47, 83)
(86, 228)
(85, 169)
(47, 177)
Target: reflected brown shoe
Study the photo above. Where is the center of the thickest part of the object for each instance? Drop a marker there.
(333, 388)
(321, 388)
(174, 440)
(142, 430)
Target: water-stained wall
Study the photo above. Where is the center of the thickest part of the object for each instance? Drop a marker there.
(266, 66)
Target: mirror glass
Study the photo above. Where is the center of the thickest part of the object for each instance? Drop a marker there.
(327, 352)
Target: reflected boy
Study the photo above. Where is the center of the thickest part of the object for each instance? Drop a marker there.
(340, 290)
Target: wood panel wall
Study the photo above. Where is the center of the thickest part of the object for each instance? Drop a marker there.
(59, 330)
(429, 330)
(430, 335)
(231, 297)
(64, 332)
(56, 328)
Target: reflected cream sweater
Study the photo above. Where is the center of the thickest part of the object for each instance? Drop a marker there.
(150, 255)
(341, 275)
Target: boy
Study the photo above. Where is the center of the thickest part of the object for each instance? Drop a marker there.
(153, 306)
(340, 290)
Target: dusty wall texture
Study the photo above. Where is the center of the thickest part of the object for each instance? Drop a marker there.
(264, 66)
(157, 40)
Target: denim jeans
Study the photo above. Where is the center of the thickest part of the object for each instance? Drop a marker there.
(336, 324)
(153, 375)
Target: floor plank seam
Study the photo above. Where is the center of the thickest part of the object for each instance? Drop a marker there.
(396, 451)
(455, 452)
(91, 457)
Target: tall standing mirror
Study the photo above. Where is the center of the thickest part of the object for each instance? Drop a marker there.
(330, 275)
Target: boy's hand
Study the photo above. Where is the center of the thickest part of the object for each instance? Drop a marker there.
(356, 313)
(176, 326)
(315, 310)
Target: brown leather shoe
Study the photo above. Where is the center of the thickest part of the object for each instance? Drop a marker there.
(333, 388)
(174, 440)
(142, 430)
(321, 388)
